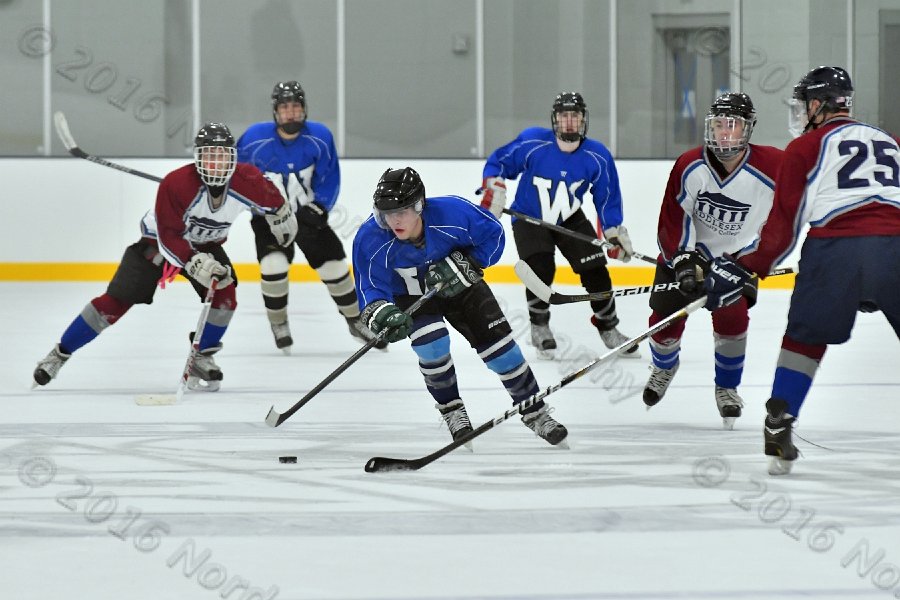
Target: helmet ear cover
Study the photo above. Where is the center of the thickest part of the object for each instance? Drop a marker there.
(569, 102)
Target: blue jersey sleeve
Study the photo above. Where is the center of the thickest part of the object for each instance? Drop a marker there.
(508, 161)
(371, 270)
(326, 181)
(605, 188)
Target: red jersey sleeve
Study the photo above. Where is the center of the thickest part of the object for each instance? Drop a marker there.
(170, 210)
(249, 182)
(672, 218)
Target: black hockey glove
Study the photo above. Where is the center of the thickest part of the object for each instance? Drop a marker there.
(382, 315)
(689, 266)
(458, 272)
(313, 215)
(727, 281)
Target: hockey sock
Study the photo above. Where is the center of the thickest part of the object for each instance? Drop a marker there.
(224, 303)
(729, 359)
(431, 343)
(794, 372)
(336, 276)
(665, 345)
(97, 315)
(505, 358)
(274, 285)
(543, 266)
(597, 280)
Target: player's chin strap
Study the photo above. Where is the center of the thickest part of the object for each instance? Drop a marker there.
(380, 463)
(274, 418)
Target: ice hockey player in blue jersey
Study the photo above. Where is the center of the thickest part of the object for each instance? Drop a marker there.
(560, 169)
(411, 243)
(299, 157)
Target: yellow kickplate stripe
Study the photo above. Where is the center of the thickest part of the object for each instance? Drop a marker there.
(621, 276)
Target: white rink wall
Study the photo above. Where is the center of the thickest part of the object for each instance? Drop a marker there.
(68, 210)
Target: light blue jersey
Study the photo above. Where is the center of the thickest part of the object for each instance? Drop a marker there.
(385, 266)
(304, 169)
(554, 183)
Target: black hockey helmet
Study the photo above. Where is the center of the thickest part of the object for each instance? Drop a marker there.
(830, 85)
(398, 189)
(569, 101)
(215, 138)
(288, 91)
(735, 106)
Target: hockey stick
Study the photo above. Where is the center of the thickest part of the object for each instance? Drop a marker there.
(65, 136)
(274, 418)
(545, 293)
(195, 343)
(579, 236)
(379, 464)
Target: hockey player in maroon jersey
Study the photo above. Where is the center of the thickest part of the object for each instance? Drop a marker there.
(716, 201)
(843, 178)
(195, 208)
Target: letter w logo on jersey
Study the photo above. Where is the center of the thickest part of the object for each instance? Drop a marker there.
(558, 207)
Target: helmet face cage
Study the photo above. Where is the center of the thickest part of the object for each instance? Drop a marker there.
(288, 91)
(215, 155)
(398, 190)
(569, 102)
(729, 125)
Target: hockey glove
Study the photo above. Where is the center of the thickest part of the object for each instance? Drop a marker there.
(283, 224)
(688, 266)
(494, 200)
(313, 215)
(458, 272)
(203, 268)
(726, 282)
(382, 315)
(618, 237)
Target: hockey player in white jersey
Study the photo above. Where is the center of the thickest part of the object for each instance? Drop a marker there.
(842, 177)
(716, 201)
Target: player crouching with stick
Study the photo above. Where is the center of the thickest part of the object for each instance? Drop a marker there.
(410, 243)
(195, 207)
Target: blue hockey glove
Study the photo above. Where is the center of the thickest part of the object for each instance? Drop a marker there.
(726, 281)
(383, 315)
(458, 272)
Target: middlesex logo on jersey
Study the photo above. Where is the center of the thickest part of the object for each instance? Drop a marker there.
(721, 213)
(201, 230)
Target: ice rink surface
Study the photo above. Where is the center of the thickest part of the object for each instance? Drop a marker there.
(103, 499)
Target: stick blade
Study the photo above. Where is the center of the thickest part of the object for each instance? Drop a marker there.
(274, 418)
(62, 130)
(532, 281)
(381, 464)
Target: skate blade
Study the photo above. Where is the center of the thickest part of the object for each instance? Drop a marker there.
(563, 445)
(287, 350)
(624, 354)
(195, 384)
(728, 422)
(468, 446)
(546, 354)
(779, 466)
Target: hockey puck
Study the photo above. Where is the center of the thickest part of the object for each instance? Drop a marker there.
(287, 459)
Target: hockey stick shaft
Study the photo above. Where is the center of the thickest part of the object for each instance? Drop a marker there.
(195, 343)
(65, 136)
(274, 418)
(543, 291)
(380, 463)
(574, 234)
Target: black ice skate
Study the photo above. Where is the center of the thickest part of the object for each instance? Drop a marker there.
(777, 433)
(729, 404)
(49, 367)
(658, 384)
(545, 426)
(283, 339)
(359, 330)
(205, 375)
(613, 338)
(543, 341)
(457, 419)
